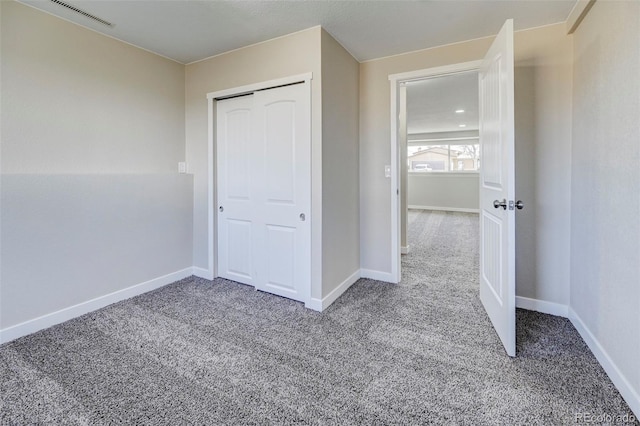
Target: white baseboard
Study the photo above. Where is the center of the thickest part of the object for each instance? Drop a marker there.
(314, 304)
(404, 250)
(545, 307)
(630, 395)
(445, 209)
(321, 305)
(203, 273)
(376, 275)
(53, 318)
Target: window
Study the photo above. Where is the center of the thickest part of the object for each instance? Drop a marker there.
(444, 158)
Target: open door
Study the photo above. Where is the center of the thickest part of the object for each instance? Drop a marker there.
(497, 187)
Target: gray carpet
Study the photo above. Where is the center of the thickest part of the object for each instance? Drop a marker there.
(202, 352)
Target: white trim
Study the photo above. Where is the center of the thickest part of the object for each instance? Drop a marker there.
(456, 174)
(202, 273)
(212, 259)
(435, 71)
(395, 80)
(314, 304)
(404, 249)
(377, 275)
(463, 138)
(396, 262)
(212, 218)
(543, 306)
(577, 14)
(306, 77)
(320, 305)
(444, 209)
(624, 386)
(65, 314)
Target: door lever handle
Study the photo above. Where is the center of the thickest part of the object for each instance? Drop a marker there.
(497, 204)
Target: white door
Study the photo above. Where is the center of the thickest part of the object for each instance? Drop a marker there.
(237, 194)
(283, 145)
(497, 187)
(264, 190)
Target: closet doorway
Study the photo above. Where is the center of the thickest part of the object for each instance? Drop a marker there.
(263, 173)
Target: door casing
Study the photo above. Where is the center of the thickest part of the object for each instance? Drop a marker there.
(396, 80)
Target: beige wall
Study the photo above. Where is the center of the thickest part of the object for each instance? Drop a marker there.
(543, 83)
(285, 56)
(80, 102)
(375, 149)
(335, 209)
(340, 165)
(543, 127)
(92, 130)
(605, 192)
(70, 238)
(444, 190)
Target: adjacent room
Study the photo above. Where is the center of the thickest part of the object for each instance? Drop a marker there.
(441, 147)
(235, 212)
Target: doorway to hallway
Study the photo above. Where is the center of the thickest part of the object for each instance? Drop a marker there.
(497, 183)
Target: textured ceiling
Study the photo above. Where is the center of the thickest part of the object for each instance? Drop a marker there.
(432, 104)
(188, 30)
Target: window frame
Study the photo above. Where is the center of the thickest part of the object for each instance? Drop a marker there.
(448, 142)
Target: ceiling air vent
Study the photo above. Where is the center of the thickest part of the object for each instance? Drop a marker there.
(83, 13)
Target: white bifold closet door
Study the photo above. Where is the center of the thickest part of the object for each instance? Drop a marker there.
(264, 190)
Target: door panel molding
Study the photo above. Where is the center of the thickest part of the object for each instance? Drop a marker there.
(497, 174)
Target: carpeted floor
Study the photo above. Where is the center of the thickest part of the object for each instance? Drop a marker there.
(201, 352)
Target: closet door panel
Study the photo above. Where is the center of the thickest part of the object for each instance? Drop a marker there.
(283, 132)
(237, 195)
(264, 190)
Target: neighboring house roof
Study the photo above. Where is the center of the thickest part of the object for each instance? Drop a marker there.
(439, 150)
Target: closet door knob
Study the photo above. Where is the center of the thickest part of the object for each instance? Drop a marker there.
(302, 217)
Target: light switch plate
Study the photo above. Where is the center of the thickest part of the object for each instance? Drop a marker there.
(387, 171)
(182, 167)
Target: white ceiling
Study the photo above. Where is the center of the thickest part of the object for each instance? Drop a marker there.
(432, 104)
(190, 30)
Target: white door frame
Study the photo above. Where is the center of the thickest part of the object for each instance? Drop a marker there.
(396, 80)
(212, 200)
